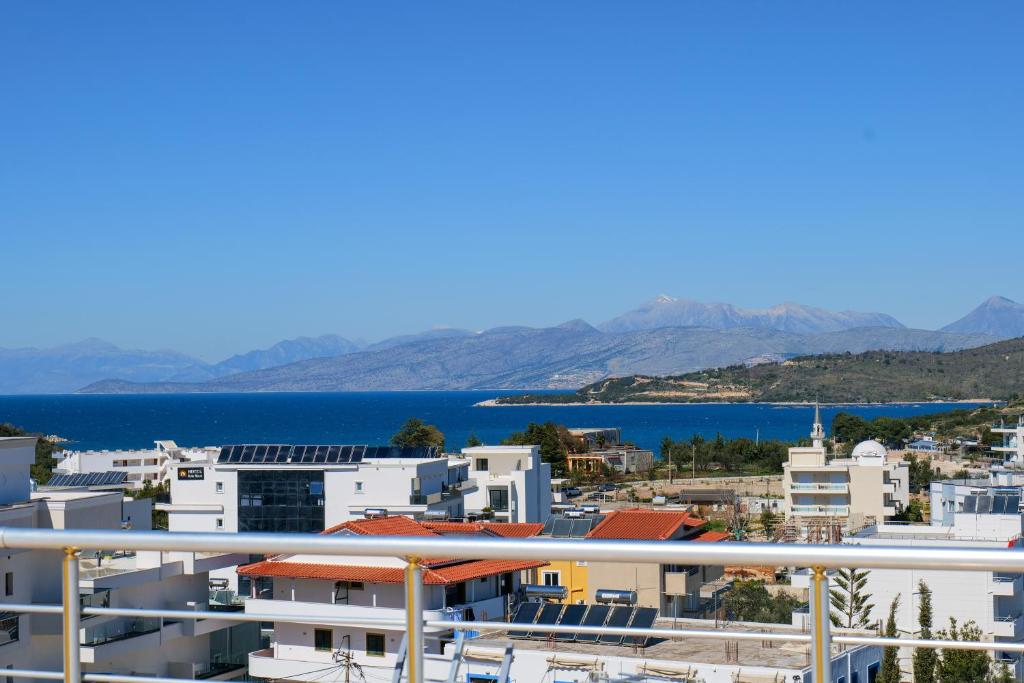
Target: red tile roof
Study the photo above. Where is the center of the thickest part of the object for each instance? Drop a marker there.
(643, 525)
(711, 536)
(435, 570)
(502, 529)
(452, 573)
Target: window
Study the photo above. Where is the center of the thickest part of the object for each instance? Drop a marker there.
(480, 678)
(323, 639)
(359, 487)
(8, 627)
(280, 500)
(219, 487)
(498, 499)
(481, 464)
(551, 578)
(220, 523)
(375, 644)
(9, 583)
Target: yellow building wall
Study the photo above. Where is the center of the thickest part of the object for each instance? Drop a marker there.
(572, 575)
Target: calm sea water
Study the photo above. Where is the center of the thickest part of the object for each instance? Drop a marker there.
(111, 422)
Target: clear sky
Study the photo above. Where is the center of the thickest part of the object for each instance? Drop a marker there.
(217, 176)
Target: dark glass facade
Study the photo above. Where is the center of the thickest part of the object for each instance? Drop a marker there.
(281, 500)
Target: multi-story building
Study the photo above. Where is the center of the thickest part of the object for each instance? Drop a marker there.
(210, 648)
(993, 600)
(371, 589)
(623, 459)
(588, 438)
(309, 488)
(511, 483)
(154, 465)
(853, 491)
(1000, 494)
(673, 590)
(1012, 448)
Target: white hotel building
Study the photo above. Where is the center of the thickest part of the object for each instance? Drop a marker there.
(155, 465)
(212, 649)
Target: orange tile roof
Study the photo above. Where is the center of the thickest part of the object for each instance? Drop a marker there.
(452, 573)
(502, 529)
(711, 536)
(643, 525)
(382, 526)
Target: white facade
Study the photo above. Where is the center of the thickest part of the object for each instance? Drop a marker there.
(856, 490)
(511, 481)
(949, 499)
(157, 647)
(993, 600)
(154, 465)
(1012, 449)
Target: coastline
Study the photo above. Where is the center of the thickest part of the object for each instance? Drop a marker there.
(493, 403)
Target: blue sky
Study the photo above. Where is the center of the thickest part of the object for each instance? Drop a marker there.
(214, 177)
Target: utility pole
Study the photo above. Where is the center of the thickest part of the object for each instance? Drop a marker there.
(693, 447)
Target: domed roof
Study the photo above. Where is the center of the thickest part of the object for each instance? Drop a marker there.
(869, 449)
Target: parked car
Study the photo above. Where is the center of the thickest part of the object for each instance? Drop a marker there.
(572, 492)
(607, 487)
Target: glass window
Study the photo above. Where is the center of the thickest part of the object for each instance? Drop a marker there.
(359, 487)
(498, 499)
(323, 640)
(552, 578)
(481, 464)
(281, 500)
(220, 523)
(219, 486)
(9, 583)
(8, 627)
(375, 644)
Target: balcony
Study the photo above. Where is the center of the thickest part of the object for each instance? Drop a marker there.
(823, 510)
(425, 498)
(1006, 584)
(826, 488)
(1008, 626)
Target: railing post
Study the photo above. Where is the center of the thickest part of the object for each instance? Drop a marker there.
(72, 617)
(821, 627)
(414, 617)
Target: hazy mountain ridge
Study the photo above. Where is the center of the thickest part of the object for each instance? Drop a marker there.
(996, 316)
(566, 356)
(666, 311)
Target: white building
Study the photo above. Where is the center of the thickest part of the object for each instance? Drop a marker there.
(993, 600)
(154, 465)
(511, 481)
(210, 648)
(852, 491)
(1012, 449)
(999, 494)
(371, 588)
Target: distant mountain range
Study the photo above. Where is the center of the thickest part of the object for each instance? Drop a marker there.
(661, 337)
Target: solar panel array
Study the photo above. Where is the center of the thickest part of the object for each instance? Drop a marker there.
(568, 527)
(999, 504)
(279, 454)
(87, 479)
(538, 615)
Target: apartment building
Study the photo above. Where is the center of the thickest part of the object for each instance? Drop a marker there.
(154, 465)
(622, 459)
(999, 494)
(853, 491)
(511, 483)
(1012, 448)
(210, 648)
(673, 590)
(993, 600)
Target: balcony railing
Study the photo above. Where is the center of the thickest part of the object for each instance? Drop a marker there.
(819, 486)
(831, 510)
(410, 548)
(120, 629)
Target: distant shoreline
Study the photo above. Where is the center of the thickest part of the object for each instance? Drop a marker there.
(493, 403)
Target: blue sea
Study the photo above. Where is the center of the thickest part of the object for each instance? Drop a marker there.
(97, 422)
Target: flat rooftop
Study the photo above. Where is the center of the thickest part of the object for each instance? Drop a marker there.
(794, 656)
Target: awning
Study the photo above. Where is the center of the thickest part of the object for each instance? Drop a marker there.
(484, 655)
(666, 671)
(565, 662)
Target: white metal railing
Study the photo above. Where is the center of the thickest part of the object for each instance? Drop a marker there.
(411, 548)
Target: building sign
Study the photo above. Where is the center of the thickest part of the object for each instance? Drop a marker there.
(191, 473)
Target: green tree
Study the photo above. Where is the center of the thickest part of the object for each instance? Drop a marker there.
(415, 432)
(155, 492)
(751, 601)
(1003, 674)
(890, 672)
(554, 440)
(925, 658)
(850, 606)
(768, 522)
(962, 666)
(473, 441)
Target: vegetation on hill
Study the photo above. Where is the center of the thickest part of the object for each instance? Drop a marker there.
(42, 469)
(992, 372)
